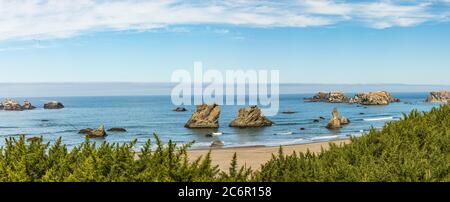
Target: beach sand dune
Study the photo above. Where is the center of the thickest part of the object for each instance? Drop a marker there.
(255, 156)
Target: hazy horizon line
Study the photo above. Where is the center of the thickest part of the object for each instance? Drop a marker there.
(281, 83)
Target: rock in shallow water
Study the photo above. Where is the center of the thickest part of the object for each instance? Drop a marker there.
(250, 117)
(99, 132)
(180, 109)
(206, 116)
(117, 130)
(217, 143)
(85, 131)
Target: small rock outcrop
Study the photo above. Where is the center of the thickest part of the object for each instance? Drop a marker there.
(337, 120)
(27, 105)
(439, 96)
(119, 130)
(85, 131)
(206, 116)
(53, 105)
(250, 117)
(374, 98)
(331, 97)
(179, 109)
(99, 132)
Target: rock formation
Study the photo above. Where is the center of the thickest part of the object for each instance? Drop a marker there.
(53, 105)
(374, 98)
(99, 132)
(337, 120)
(217, 143)
(11, 105)
(206, 116)
(179, 109)
(85, 131)
(27, 105)
(331, 97)
(250, 117)
(117, 130)
(439, 96)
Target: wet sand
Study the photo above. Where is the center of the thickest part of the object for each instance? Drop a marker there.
(255, 156)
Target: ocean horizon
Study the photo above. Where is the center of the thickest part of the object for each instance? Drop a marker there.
(73, 89)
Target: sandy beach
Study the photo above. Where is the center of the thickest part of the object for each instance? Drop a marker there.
(255, 156)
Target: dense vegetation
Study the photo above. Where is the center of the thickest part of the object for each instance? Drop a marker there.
(416, 148)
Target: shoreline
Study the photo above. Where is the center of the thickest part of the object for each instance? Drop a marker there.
(255, 156)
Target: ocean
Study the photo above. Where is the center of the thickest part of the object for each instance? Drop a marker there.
(142, 116)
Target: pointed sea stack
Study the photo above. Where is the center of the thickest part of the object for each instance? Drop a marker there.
(337, 120)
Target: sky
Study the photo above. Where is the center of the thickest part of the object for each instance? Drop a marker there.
(308, 41)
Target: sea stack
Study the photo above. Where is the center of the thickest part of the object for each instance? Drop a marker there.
(205, 116)
(331, 97)
(53, 105)
(374, 98)
(439, 96)
(250, 117)
(337, 120)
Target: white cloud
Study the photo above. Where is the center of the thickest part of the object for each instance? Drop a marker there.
(24, 19)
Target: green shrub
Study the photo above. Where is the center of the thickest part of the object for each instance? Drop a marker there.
(414, 149)
(39, 162)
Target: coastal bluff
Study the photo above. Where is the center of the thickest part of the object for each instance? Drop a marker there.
(205, 116)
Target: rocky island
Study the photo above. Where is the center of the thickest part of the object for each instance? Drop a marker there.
(374, 98)
(250, 117)
(369, 98)
(53, 105)
(205, 116)
(439, 96)
(331, 97)
(12, 105)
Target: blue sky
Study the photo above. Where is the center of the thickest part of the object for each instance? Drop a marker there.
(317, 41)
